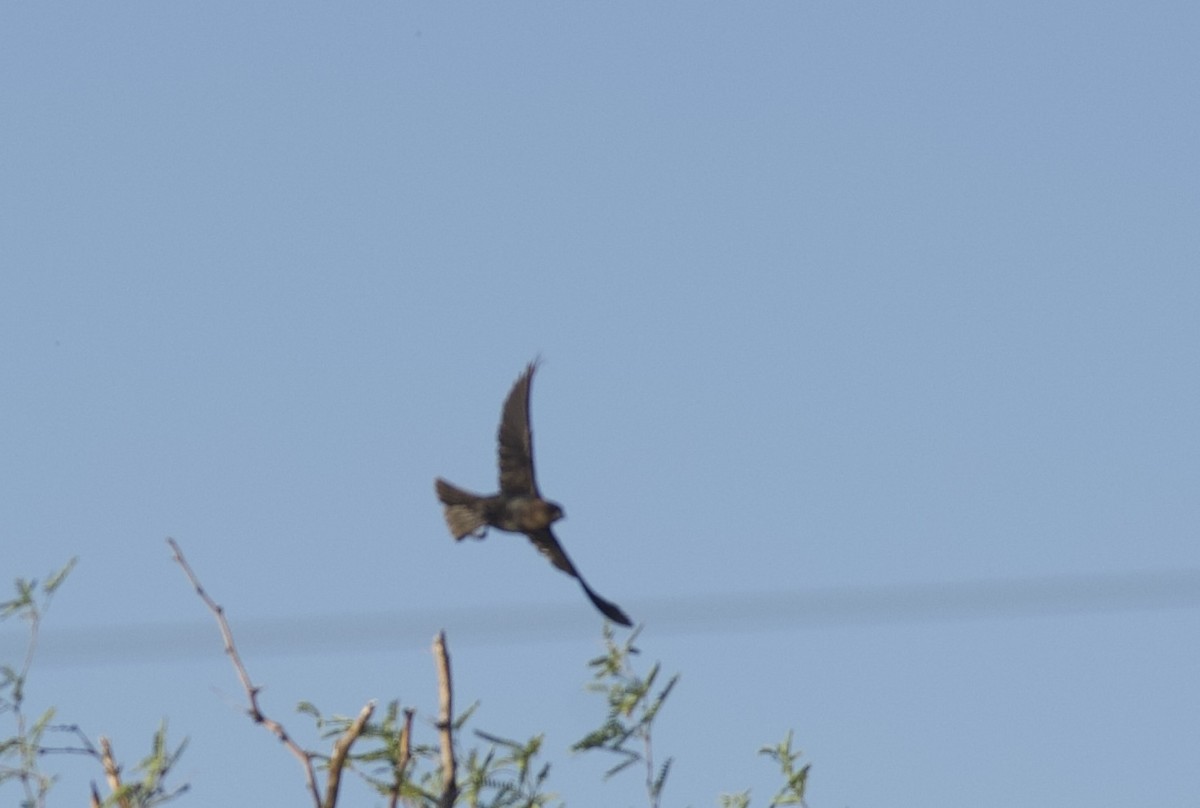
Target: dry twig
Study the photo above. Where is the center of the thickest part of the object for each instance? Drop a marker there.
(112, 772)
(256, 713)
(401, 763)
(445, 723)
(341, 748)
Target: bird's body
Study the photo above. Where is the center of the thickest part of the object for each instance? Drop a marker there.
(468, 514)
(519, 507)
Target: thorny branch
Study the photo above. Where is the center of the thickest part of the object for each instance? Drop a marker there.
(256, 713)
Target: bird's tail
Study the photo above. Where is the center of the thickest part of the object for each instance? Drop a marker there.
(464, 511)
(611, 610)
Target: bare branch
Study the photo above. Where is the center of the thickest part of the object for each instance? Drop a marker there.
(112, 772)
(256, 714)
(341, 748)
(401, 763)
(445, 721)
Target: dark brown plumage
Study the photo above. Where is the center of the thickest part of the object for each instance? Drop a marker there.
(519, 507)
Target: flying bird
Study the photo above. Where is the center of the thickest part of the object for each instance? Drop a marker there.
(519, 507)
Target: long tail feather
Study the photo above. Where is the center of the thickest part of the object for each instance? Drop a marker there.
(610, 609)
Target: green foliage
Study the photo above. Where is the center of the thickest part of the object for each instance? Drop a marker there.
(503, 774)
(506, 775)
(151, 790)
(498, 773)
(21, 753)
(794, 779)
(632, 708)
(741, 800)
(386, 765)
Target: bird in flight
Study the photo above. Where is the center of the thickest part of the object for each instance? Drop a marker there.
(519, 507)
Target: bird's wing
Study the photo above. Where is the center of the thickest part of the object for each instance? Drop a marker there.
(548, 546)
(516, 440)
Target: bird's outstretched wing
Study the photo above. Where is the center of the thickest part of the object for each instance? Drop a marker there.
(548, 546)
(516, 440)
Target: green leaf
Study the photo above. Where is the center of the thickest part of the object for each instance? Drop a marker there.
(56, 578)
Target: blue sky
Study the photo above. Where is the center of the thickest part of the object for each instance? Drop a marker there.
(832, 300)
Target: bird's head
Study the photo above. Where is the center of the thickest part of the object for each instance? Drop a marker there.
(554, 511)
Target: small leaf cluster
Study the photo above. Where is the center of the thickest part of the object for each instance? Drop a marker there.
(21, 753)
(633, 705)
(794, 779)
(503, 774)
